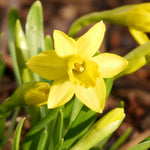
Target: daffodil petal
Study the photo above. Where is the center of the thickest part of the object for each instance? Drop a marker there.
(48, 65)
(94, 98)
(60, 93)
(89, 43)
(139, 36)
(64, 45)
(110, 64)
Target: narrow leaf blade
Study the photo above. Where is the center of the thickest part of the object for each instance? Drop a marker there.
(22, 53)
(56, 131)
(42, 123)
(42, 140)
(34, 29)
(12, 17)
(81, 124)
(17, 135)
(48, 42)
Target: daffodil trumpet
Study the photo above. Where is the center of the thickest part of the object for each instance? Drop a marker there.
(76, 70)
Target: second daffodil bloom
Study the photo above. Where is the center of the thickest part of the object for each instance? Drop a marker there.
(75, 69)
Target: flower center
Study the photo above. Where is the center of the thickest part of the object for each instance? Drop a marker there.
(82, 71)
(78, 67)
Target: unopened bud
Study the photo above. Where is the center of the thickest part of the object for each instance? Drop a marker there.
(101, 129)
(37, 95)
(29, 93)
(139, 17)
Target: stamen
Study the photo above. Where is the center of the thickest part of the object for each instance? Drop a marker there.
(78, 67)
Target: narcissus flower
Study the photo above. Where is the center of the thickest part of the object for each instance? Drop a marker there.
(75, 69)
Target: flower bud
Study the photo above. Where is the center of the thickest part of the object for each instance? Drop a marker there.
(38, 94)
(136, 16)
(139, 17)
(101, 129)
(29, 93)
(137, 58)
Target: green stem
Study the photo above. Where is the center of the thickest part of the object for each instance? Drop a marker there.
(86, 20)
(112, 16)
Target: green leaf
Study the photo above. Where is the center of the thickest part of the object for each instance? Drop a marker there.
(21, 44)
(34, 29)
(75, 110)
(52, 113)
(141, 146)
(22, 53)
(67, 114)
(42, 140)
(58, 128)
(59, 146)
(79, 127)
(35, 114)
(71, 111)
(109, 84)
(102, 143)
(57, 131)
(48, 43)
(32, 141)
(17, 135)
(33, 136)
(12, 17)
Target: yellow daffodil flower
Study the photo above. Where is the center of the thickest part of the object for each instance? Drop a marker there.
(75, 69)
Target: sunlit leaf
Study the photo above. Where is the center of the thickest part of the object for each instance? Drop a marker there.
(48, 43)
(42, 140)
(22, 53)
(81, 124)
(43, 122)
(34, 29)
(57, 131)
(17, 135)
